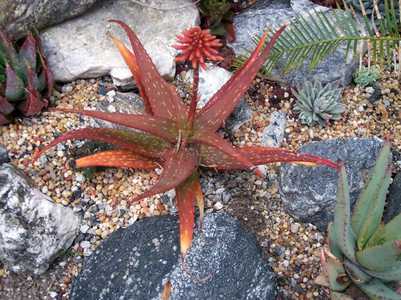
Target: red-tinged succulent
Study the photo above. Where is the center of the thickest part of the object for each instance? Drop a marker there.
(23, 76)
(176, 137)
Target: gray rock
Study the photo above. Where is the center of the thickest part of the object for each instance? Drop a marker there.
(264, 14)
(309, 193)
(393, 200)
(4, 158)
(81, 47)
(273, 134)
(33, 229)
(210, 81)
(18, 17)
(134, 263)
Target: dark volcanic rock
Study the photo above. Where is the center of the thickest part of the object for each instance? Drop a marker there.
(393, 200)
(4, 158)
(309, 194)
(135, 263)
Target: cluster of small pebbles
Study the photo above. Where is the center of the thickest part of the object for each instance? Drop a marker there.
(102, 197)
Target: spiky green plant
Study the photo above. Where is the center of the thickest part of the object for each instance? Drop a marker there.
(218, 17)
(318, 104)
(23, 76)
(364, 252)
(367, 76)
(314, 36)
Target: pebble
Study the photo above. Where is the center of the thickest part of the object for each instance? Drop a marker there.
(218, 206)
(84, 228)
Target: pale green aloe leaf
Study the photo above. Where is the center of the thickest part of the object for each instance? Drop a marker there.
(369, 207)
(381, 257)
(376, 289)
(355, 272)
(342, 218)
(392, 230)
(334, 248)
(377, 238)
(392, 274)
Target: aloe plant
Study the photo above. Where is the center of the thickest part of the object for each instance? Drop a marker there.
(362, 251)
(23, 76)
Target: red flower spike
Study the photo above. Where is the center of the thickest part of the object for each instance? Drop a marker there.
(197, 46)
(116, 159)
(172, 140)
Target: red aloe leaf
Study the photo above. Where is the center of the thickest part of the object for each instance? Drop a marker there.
(185, 199)
(200, 201)
(116, 159)
(27, 52)
(222, 104)
(15, 88)
(130, 60)
(160, 127)
(164, 100)
(178, 166)
(137, 142)
(212, 158)
(7, 47)
(220, 144)
(264, 155)
(5, 107)
(33, 104)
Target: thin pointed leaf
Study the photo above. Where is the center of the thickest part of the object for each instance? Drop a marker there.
(370, 204)
(15, 87)
(376, 289)
(163, 128)
(200, 201)
(215, 141)
(33, 103)
(131, 62)
(226, 99)
(140, 143)
(342, 218)
(48, 74)
(392, 274)
(27, 52)
(177, 168)
(381, 257)
(185, 195)
(116, 159)
(164, 100)
(392, 230)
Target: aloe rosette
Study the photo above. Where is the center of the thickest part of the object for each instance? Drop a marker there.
(364, 252)
(24, 76)
(176, 136)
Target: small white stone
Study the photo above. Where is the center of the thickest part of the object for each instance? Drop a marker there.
(218, 205)
(84, 228)
(294, 227)
(85, 244)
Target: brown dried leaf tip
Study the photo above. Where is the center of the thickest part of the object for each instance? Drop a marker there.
(197, 46)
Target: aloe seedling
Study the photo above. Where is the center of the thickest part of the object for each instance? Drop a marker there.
(23, 76)
(175, 136)
(363, 251)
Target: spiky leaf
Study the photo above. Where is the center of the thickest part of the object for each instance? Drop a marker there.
(137, 142)
(392, 274)
(392, 230)
(33, 103)
(342, 217)
(381, 257)
(177, 168)
(5, 106)
(163, 98)
(369, 207)
(15, 87)
(163, 128)
(27, 52)
(116, 159)
(378, 290)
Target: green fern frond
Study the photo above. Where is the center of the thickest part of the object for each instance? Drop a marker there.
(313, 37)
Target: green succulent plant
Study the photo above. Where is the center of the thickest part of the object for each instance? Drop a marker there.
(218, 17)
(24, 75)
(367, 76)
(363, 252)
(317, 104)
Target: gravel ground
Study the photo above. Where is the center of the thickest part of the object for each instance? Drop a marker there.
(291, 248)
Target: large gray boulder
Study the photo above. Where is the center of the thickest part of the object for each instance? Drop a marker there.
(267, 14)
(309, 193)
(135, 263)
(33, 229)
(19, 16)
(81, 47)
